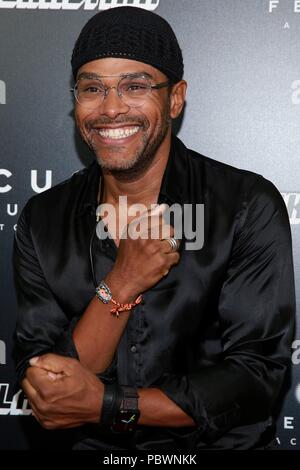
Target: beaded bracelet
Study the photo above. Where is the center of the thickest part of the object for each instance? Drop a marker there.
(104, 294)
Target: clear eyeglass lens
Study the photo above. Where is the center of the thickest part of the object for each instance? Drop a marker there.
(132, 89)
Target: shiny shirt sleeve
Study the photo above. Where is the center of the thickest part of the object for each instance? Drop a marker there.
(256, 312)
(42, 325)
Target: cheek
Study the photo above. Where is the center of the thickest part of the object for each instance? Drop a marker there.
(78, 117)
(156, 115)
(81, 116)
(161, 111)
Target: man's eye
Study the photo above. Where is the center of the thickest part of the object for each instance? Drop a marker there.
(135, 87)
(92, 90)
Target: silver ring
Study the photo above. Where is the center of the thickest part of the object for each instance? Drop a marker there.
(173, 243)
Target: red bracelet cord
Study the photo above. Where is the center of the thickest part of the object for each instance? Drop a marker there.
(124, 307)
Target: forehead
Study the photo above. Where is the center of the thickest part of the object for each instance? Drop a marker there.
(115, 66)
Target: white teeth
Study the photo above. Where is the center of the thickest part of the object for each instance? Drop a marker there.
(118, 133)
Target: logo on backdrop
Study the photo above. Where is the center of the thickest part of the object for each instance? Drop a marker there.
(76, 5)
(283, 7)
(276, 4)
(296, 92)
(39, 181)
(5, 188)
(2, 352)
(292, 202)
(296, 354)
(288, 425)
(17, 406)
(2, 92)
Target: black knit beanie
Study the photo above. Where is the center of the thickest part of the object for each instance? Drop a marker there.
(130, 33)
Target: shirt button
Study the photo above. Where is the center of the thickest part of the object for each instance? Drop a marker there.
(133, 349)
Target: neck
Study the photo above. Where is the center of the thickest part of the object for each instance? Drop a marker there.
(142, 189)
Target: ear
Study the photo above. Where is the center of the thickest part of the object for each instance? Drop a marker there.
(177, 98)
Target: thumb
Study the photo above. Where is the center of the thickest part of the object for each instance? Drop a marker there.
(51, 362)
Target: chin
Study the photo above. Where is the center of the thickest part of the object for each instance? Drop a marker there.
(116, 164)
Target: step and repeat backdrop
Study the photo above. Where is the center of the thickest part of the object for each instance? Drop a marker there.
(242, 65)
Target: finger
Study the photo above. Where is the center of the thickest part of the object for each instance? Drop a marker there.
(154, 215)
(40, 380)
(34, 400)
(158, 231)
(41, 418)
(54, 376)
(157, 210)
(167, 247)
(147, 220)
(167, 231)
(174, 261)
(30, 392)
(136, 220)
(53, 363)
(171, 260)
(35, 412)
(142, 226)
(33, 374)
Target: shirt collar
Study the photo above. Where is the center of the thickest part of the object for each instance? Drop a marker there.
(88, 197)
(173, 187)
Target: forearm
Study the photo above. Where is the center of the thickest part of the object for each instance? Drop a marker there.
(98, 332)
(158, 410)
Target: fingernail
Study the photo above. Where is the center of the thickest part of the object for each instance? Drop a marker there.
(33, 360)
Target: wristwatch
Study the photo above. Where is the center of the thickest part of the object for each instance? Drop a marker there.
(127, 416)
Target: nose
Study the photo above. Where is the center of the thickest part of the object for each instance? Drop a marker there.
(113, 104)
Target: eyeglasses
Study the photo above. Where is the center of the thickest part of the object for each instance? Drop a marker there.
(133, 89)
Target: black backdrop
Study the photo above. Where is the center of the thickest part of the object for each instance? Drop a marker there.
(242, 67)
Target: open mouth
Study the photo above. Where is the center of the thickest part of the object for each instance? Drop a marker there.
(118, 133)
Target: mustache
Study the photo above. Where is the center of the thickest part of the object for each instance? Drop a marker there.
(104, 120)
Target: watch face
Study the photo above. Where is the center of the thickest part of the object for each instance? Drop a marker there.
(126, 421)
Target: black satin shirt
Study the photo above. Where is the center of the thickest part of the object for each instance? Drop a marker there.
(214, 335)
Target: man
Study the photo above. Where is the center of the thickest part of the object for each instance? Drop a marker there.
(140, 342)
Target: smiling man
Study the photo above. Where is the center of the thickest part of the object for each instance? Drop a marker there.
(124, 140)
(140, 342)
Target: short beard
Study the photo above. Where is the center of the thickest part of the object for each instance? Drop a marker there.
(143, 157)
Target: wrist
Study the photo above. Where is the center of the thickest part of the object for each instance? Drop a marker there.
(96, 402)
(120, 288)
(127, 417)
(120, 412)
(112, 399)
(105, 295)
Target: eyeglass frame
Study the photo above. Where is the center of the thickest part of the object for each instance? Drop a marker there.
(106, 89)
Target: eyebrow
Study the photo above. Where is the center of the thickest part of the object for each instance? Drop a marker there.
(95, 76)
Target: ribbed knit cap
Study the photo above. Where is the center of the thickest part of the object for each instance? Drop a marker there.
(129, 33)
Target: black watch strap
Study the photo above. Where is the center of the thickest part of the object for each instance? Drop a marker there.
(127, 418)
(130, 398)
(111, 404)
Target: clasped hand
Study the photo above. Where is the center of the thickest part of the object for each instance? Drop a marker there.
(62, 393)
